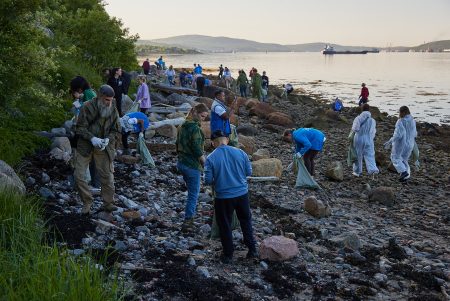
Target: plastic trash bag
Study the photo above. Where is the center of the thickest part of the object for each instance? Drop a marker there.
(215, 228)
(146, 157)
(134, 107)
(234, 138)
(415, 156)
(351, 154)
(304, 179)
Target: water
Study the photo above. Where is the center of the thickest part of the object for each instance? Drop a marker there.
(418, 80)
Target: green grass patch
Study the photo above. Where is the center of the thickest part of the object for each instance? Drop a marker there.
(31, 270)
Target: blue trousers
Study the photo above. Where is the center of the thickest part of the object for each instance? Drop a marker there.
(192, 178)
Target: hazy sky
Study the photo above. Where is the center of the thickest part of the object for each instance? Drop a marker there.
(349, 22)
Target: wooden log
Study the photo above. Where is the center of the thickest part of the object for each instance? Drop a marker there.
(174, 89)
(263, 179)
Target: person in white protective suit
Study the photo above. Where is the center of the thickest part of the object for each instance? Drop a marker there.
(402, 143)
(364, 127)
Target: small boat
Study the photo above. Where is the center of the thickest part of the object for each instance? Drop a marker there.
(330, 50)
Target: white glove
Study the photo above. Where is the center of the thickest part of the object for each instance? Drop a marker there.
(105, 143)
(97, 142)
(139, 101)
(298, 155)
(141, 135)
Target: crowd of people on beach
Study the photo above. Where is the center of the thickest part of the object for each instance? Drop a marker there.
(99, 121)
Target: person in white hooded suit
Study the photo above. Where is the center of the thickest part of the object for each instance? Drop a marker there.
(402, 142)
(364, 127)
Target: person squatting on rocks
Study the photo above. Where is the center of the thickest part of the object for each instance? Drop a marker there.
(288, 88)
(143, 95)
(364, 96)
(226, 169)
(402, 143)
(220, 114)
(136, 122)
(98, 126)
(190, 144)
(364, 127)
(116, 82)
(242, 82)
(308, 143)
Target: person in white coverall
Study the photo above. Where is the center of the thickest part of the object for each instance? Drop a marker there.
(364, 127)
(402, 142)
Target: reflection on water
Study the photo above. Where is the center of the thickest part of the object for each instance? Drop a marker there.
(418, 80)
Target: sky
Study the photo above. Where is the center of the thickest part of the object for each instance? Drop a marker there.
(378, 23)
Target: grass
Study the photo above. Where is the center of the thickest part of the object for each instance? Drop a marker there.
(32, 270)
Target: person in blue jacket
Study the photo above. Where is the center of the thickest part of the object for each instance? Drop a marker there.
(220, 114)
(136, 122)
(308, 143)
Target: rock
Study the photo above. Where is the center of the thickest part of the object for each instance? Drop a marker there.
(30, 181)
(280, 119)
(251, 102)
(157, 98)
(106, 216)
(267, 168)
(381, 159)
(274, 128)
(103, 226)
(247, 130)
(382, 195)
(58, 154)
(46, 193)
(135, 174)
(9, 179)
(127, 159)
(176, 115)
(335, 171)
(120, 246)
(278, 248)
(380, 278)
(44, 178)
(177, 99)
(150, 133)
(348, 240)
(206, 129)
(191, 261)
(128, 203)
(261, 154)
(316, 207)
(167, 130)
(126, 103)
(206, 101)
(62, 143)
(262, 110)
(264, 265)
(131, 215)
(355, 258)
(203, 271)
(68, 126)
(247, 144)
(205, 229)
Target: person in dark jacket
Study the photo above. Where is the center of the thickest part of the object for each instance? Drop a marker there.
(116, 82)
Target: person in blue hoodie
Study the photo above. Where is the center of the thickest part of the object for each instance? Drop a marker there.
(308, 143)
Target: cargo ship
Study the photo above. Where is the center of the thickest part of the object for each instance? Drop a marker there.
(330, 50)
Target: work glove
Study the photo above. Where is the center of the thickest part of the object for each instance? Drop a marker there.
(105, 143)
(97, 142)
(141, 135)
(139, 101)
(387, 144)
(298, 155)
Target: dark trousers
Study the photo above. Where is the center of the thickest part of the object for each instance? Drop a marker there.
(363, 101)
(200, 84)
(119, 105)
(309, 160)
(243, 90)
(224, 209)
(144, 110)
(146, 71)
(125, 139)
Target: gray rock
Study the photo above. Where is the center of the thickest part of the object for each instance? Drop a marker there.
(135, 173)
(143, 229)
(169, 245)
(9, 179)
(120, 246)
(30, 181)
(380, 278)
(46, 193)
(335, 171)
(58, 131)
(76, 252)
(128, 203)
(247, 130)
(87, 241)
(349, 240)
(203, 271)
(62, 143)
(205, 229)
(316, 207)
(264, 265)
(191, 261)
(382, 195)
(355, 258)
(45, 178)
(106, 216)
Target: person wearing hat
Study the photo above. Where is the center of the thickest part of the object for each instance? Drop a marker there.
(308, 143)
(97, 128)
(364, 96)
(227, 169)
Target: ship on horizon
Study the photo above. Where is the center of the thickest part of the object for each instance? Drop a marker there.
(330, 50)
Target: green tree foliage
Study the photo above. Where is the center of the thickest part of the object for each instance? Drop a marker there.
(44, 44)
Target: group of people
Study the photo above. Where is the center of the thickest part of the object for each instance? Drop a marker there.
(99, 120)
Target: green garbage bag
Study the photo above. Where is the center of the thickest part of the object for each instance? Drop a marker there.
(351, 154)
(146, 157)
(234, 138)
(215, 228)
(304, 179)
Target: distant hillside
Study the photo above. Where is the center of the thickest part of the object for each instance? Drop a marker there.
(146, 49)
(223, 44)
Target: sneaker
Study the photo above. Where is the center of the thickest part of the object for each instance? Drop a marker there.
(404, 176)
(108, 207)
(226, 259)
(86, 208)
(356, 174)
(252, 254)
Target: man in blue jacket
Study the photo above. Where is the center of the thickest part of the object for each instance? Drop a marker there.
(220, 114)
(308, 143)
(226, 169)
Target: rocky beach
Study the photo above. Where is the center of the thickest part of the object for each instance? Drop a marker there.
(378, 239)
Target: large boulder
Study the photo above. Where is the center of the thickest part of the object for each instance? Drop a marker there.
(278, 248)
(348, 240)
(58, 154)
(62, 143)
(251, 102)
(280, 119)
(247, 144)
(206, 101)
(274, 128)
(177, 99)
(261, 154)
(9, 179)
(247, 130)
(383, 195)
(167, 130)
(127, 102)
(262, 110)
(157, 98)
(316, 207)
(206, 129)
(335, 171)
(267, 168)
